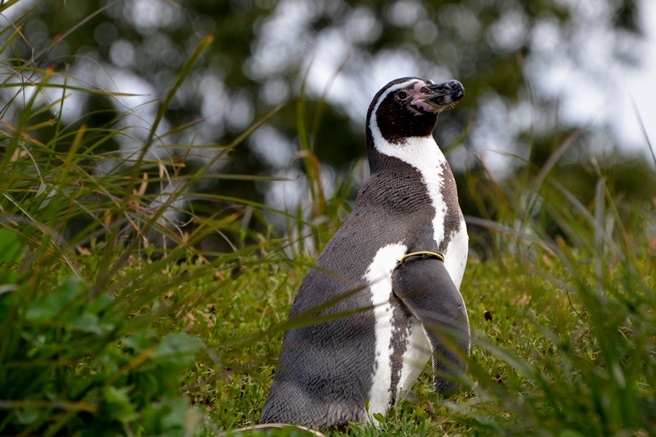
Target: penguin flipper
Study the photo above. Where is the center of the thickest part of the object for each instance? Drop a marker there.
(427, 290)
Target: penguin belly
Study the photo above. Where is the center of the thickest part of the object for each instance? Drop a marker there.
(379, 277)
(402, 349)
(415, 357)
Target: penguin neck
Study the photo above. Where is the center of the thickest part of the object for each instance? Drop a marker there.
(422, 153)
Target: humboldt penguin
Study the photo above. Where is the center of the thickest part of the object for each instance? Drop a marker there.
(383, 296)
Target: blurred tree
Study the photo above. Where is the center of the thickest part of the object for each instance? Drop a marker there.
(343, 51)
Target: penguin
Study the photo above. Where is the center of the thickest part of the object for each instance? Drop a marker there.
(383, 296)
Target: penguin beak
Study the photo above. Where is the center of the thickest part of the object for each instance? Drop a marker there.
(436, 97)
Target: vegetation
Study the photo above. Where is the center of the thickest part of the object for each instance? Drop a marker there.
(263, 50)
(128, 308)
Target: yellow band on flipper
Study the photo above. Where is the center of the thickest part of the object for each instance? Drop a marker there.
(423, 253)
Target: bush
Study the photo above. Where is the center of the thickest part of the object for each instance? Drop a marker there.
(68, 366)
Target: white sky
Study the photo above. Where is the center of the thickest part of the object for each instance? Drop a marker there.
(614, 103)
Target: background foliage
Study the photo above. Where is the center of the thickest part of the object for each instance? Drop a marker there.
(151, 241)
(334, 55)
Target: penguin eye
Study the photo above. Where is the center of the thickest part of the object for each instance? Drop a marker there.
(402, 95)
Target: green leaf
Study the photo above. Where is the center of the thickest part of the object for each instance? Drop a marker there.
(140, 341)
(86, 317)
(178, 348)
(118, 405)
(29, 415)
(10, 246)
(88, 322)
(177, 409)
(47, 307)
(171, 417)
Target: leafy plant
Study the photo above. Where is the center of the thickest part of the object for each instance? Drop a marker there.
(81, 350)
(68, 365)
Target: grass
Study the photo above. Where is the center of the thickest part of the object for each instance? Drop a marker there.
(104, 332)
(551, 356)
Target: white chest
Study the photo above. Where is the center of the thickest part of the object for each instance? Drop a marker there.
(424, 154)
(427, 158)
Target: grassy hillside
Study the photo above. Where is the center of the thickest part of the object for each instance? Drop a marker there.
(564, 344)
(105, 331)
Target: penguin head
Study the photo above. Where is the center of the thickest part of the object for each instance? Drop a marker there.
(408, 107)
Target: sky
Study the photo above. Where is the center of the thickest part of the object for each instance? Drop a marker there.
(622, 100)
(629, 95)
